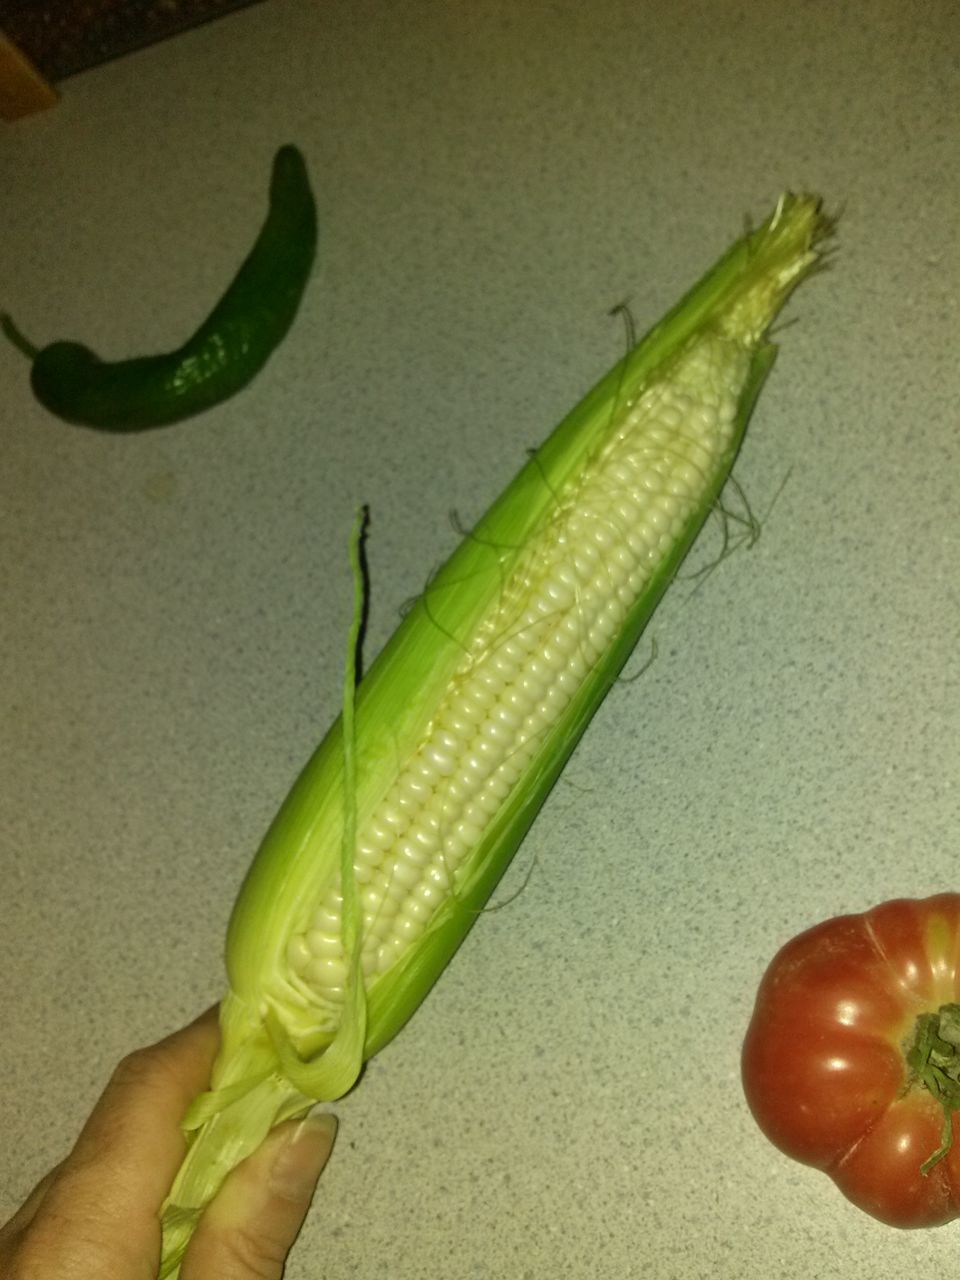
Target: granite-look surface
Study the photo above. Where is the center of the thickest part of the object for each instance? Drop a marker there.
(491, 179)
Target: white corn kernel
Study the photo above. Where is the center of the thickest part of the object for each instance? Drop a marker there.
(528, 657)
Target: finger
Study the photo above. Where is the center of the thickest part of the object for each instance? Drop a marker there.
(27, 1212)
(133, 1134)
(108, 1191)
(248, 1229)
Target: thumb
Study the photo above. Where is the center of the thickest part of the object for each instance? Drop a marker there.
(248, 1229)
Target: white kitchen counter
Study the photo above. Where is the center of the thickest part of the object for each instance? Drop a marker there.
(491, 179)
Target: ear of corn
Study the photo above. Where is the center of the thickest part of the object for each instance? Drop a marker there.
(401, 824)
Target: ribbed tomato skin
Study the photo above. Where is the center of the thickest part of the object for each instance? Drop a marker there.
(824, 1067)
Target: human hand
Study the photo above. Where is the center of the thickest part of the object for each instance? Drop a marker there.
(96, 1215)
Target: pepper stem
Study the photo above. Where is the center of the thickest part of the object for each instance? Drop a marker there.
(934, 1059)
(17, 338)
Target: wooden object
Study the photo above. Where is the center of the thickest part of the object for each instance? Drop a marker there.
(23, 89)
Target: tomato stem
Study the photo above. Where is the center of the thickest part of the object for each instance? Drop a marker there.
(934, 1059)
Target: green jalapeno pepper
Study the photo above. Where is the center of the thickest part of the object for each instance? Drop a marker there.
(229, 348)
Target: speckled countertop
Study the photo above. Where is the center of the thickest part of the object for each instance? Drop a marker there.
(491, 179)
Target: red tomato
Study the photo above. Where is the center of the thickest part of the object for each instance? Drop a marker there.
(824, 1061)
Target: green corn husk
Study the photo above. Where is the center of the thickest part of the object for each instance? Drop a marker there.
(278, 1056)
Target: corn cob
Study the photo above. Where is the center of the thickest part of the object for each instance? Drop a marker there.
(399, 827)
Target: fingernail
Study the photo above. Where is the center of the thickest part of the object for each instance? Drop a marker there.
(300, 1160)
